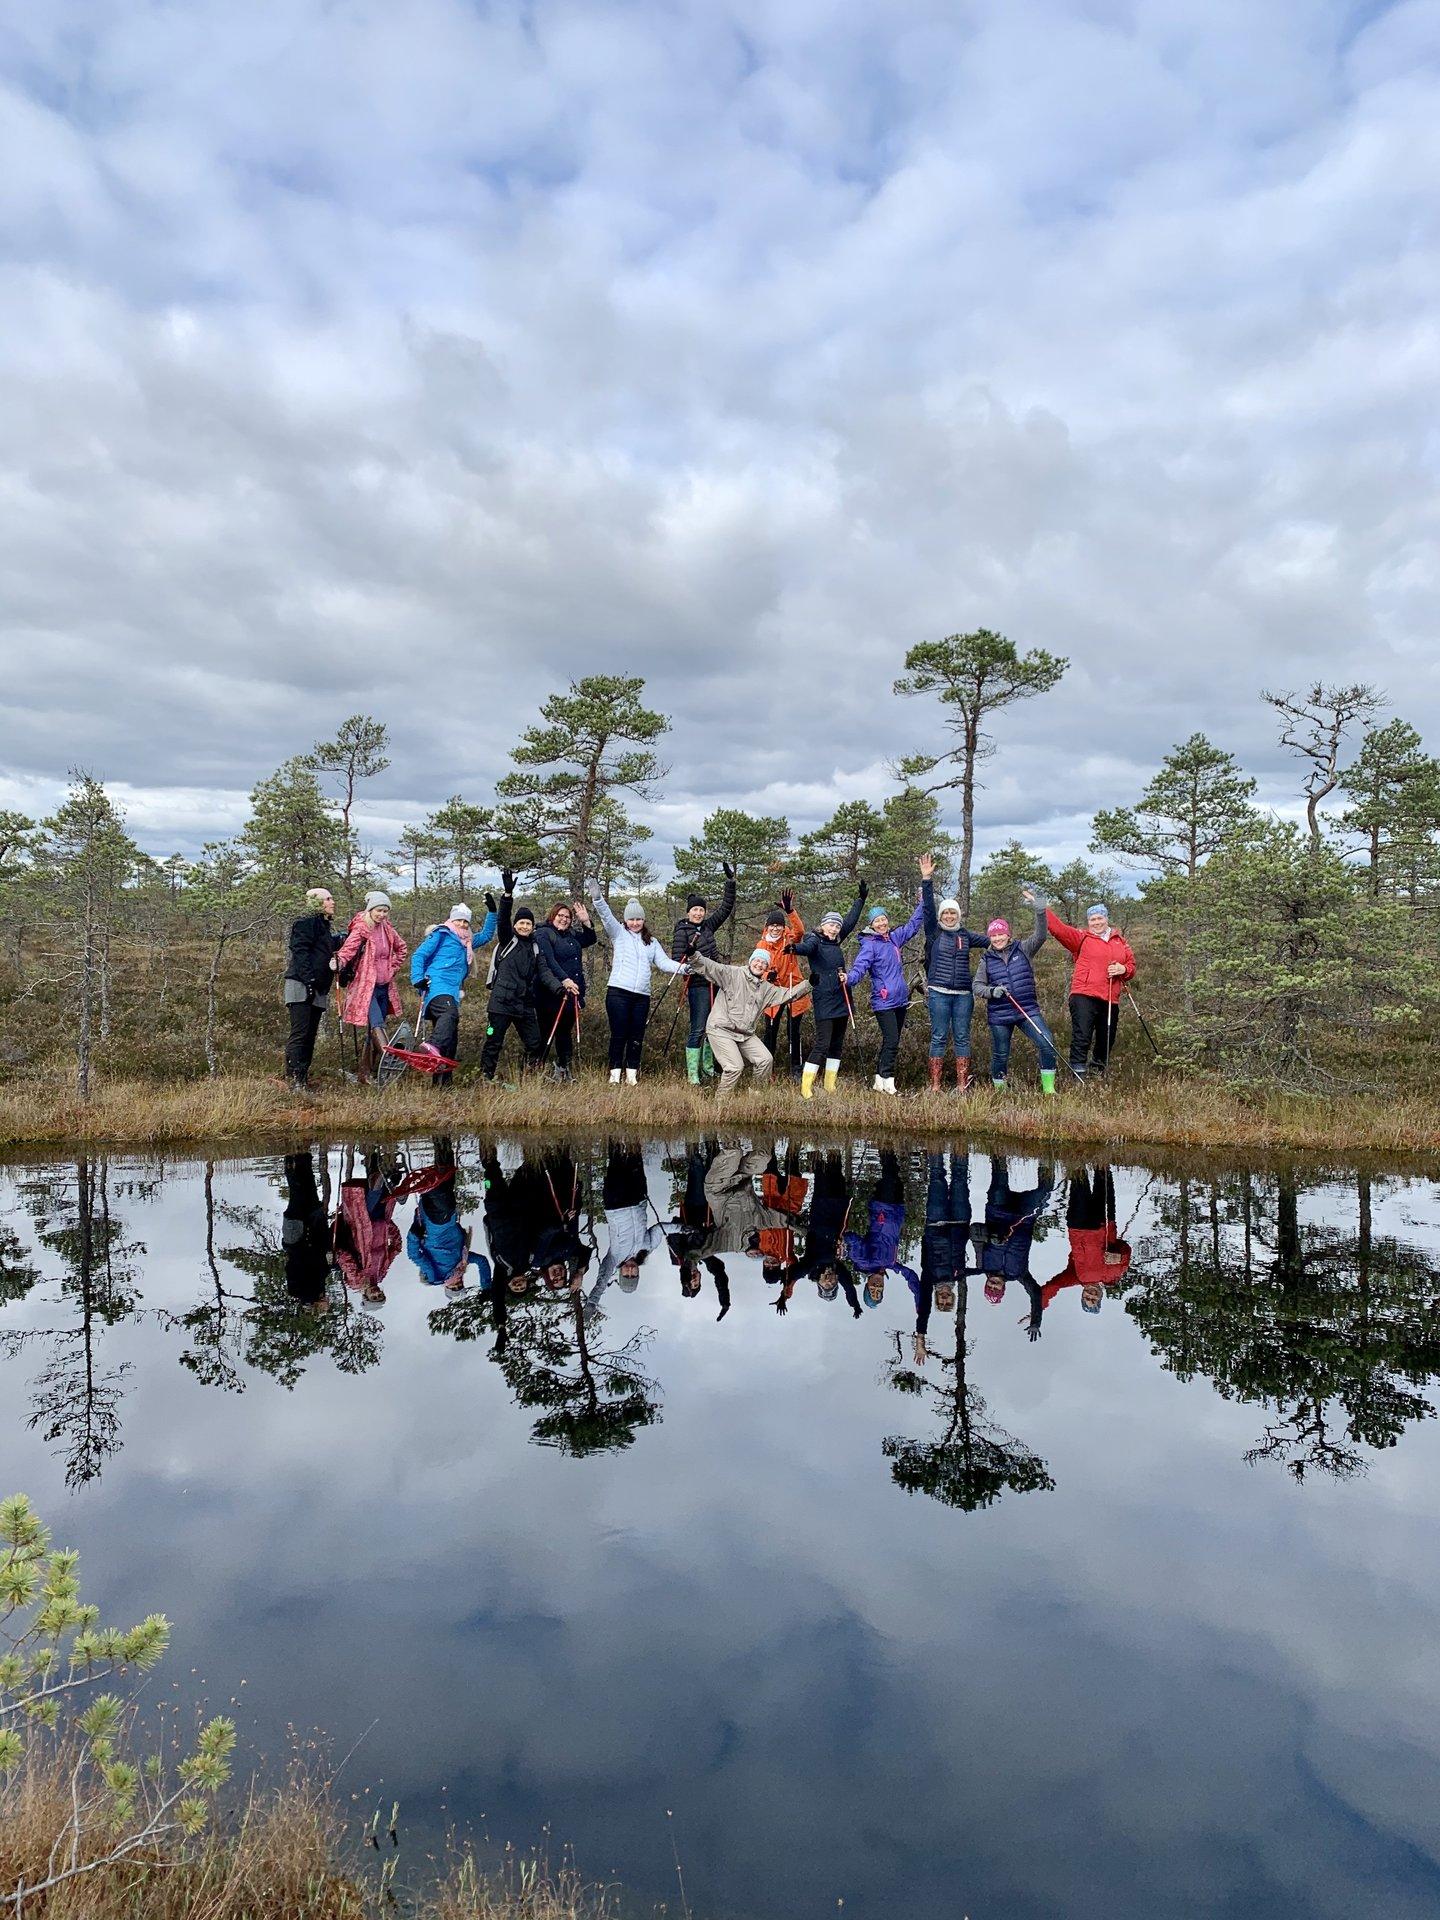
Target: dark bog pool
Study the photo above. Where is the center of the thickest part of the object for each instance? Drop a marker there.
(1066, 1546)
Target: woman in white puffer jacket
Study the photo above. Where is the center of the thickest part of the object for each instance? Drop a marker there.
(627, 997)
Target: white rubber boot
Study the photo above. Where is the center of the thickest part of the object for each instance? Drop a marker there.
(614, 1076)
(632, 1075)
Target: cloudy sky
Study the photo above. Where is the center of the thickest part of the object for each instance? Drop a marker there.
(412, 356)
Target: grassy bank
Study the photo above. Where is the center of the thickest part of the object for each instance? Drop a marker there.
(1162, 1114)
(282, 1855)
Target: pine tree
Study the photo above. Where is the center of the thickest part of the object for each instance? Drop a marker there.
(593, 744)
(1197, 800)
(970, 676)
(293, 836)
(756, 847)
(356, 753)
(88, 857)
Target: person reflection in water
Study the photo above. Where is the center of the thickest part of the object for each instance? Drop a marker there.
(438, 1243)
(944, 1244)
(532, 1224)
(782, 1194)
(366, 1236)
(689, 1235)
(634, 1232)
(305, 1235)
(875, 1251)
(1004, 1241)
(823, 1261)
(1099, 1258)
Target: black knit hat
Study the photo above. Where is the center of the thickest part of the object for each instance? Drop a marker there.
(523, 912)
(775, 918)
(695, 900)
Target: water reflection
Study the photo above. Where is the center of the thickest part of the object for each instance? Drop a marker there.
(1279, 1292)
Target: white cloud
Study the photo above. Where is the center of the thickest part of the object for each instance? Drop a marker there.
(415, 359)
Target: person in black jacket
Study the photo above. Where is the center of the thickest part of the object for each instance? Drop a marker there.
(562, 942)
(520, 970)
(695, 933)
(822, 948)
(309, 975)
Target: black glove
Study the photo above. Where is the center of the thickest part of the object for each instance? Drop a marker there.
(727, 869)
(490, 903)
(782, 1305)
(507, 880)
(787, 900)
(1033, 1333)
(863, 890)
(423, 989)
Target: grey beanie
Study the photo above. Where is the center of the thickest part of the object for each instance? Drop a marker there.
(633, 910)
(830, 915)
(376, 899)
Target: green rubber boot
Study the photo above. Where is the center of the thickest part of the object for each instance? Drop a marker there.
(1047, 1080)
(707, 1061)
(692, 1065)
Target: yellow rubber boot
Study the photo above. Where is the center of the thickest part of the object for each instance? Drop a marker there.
(832, 1074)
(807, 1081)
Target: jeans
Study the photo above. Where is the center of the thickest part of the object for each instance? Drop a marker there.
(891, 1024)
(627, 1013)
(1002, 1036)
(305, 1018)
(1092, 1030)
(950, 1017)
(443, 1009)
(701, 996)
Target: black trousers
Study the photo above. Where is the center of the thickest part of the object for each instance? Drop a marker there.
(526, 1023)
(305, 1020)
(829, 1039)
(797, 1037)
(627, 1013)
(1092, 1198)
(1094, 1024)
(443, 1011)
(891, 1024)
(557, 1013)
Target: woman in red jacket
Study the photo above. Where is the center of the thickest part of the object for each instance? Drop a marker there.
(1103, 966)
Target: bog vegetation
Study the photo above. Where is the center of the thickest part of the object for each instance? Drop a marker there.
(1293, 955)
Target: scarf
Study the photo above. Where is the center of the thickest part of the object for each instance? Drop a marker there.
(462, 931)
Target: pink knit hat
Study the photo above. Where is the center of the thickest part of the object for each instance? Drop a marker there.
(997, 926)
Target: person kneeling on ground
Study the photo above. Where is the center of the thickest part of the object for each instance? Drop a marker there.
(1006, 983)
(519, 972)
(1104, 965)
(741, 995)
(439, 968)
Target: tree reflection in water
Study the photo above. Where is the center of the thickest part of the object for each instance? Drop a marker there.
(1335, 1330)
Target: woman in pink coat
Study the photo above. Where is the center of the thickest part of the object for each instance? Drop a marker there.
(370, 999)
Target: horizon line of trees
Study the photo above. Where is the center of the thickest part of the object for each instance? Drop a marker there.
(1274, 928)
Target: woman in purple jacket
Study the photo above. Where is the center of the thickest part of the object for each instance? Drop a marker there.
(879, 956)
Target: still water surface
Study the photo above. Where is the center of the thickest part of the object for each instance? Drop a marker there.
(1015, 1597)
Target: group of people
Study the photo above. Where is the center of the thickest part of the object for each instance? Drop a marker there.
(800, 1224)
(536, 984)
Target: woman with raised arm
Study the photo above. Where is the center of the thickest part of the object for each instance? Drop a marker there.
(635, 952)
(694, 932)
(1006, 983)
(563, 940)
(783, 927)
(949, 991)
(822, 948)
(741, 996)
(879, 956)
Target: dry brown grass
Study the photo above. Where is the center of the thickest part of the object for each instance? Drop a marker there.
(282, 1856)
(1164, 1113)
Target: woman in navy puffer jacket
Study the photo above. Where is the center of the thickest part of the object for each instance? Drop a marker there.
(949, 995)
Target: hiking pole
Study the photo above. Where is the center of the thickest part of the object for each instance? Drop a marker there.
(1039, 1032)
(1145, 1025)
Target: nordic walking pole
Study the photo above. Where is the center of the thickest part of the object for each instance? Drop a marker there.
(1037, 1031)
(1143, 1021)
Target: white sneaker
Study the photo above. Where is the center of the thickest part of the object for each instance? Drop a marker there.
(888, 1085)
(614, 1076)
(632, 1075)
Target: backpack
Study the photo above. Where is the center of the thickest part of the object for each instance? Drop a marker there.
(346, 974)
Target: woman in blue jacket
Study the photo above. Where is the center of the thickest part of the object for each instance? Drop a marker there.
(440, 968)
(1006, 983)
(879, 956)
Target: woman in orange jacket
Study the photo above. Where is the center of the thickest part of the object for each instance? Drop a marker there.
(1104, 966)
(783, 927)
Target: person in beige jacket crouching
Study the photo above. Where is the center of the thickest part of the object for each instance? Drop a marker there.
(742, 994)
